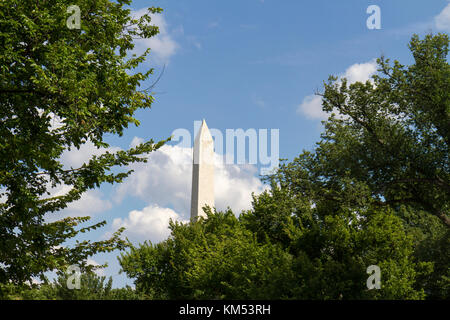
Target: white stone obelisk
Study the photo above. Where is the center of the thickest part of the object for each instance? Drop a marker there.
(202, 172)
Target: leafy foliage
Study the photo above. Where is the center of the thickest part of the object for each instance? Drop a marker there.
(82, 79)
(221, 258)
(393, 132)
(92, 287)
(214, 258)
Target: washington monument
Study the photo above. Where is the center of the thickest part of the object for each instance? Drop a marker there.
(202, 172)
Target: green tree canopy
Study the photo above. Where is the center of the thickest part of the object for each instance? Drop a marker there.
(386, 144)
(92, 287)
(326, 257)
(392, 133)
(215, 258)
(84, 79)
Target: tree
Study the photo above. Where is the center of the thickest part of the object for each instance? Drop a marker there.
(431, 243)
(224, 257)
(82, 79)
(214, 258)
(385, 146)
(92, 287)
(333, 243)
(393, 132)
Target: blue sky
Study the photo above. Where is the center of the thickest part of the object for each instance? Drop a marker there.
(249, 63)
(241, 64)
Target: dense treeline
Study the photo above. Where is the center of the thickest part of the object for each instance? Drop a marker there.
(92, 287)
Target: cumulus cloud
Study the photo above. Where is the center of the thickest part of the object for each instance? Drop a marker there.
(76, 157)
(360, 71)
(150, 223)
(234, 185)
(92, 201)
(311, 105)
(442, 20)
(100, 271)
(165, 180)
(136, 141)
(164, 183)
(162, 46)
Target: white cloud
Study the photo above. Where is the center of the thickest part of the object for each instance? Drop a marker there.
(311, 105)
(164, 183)
(234, 185)
(150, 223)
(76, 157)
(360, 71)
(442, 20)
(162, 46)
(100, 272)
(92, 201)
(136, 141)
(165, 180)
